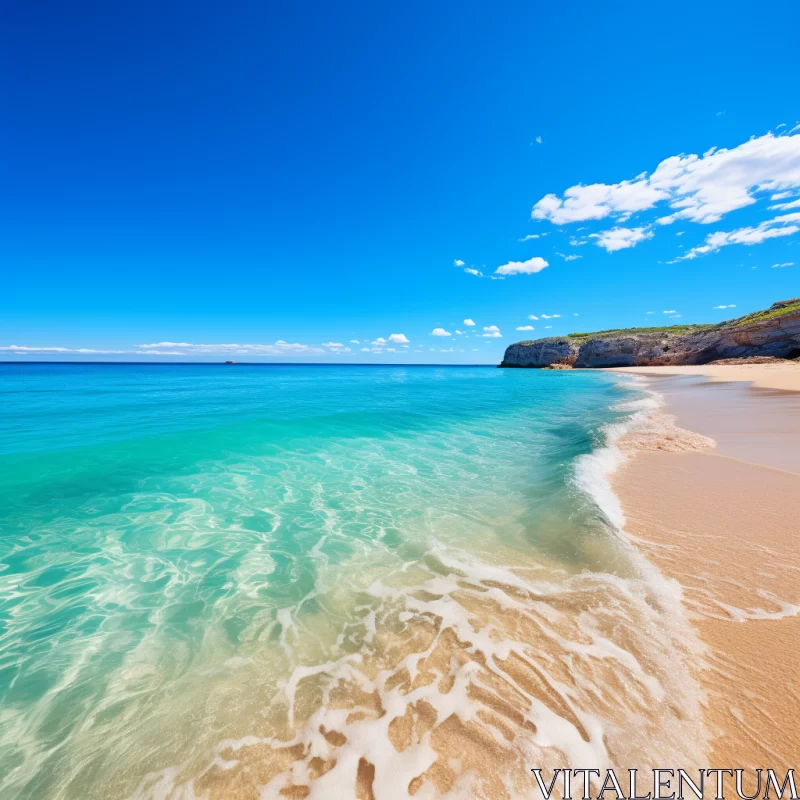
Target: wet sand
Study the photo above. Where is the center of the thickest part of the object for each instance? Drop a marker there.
(725, 523)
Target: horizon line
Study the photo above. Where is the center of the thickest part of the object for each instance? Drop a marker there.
(252, 363)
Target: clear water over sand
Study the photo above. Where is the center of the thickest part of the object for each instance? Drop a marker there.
(324, 581)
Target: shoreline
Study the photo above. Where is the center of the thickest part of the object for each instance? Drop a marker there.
(784, 377)
(722, 523)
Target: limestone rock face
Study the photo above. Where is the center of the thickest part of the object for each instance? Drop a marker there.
(541, 353)
(775, 332)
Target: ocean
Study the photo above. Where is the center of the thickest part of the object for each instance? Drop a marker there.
(259, 581)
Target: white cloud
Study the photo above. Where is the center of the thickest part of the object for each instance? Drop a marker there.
(366, 349)
(440, 332)
(525, 328)
(770, 229)
(787, 206)
(529, 267)
(550, 316)
(597, 201)
(279, 348)
(782, 195)
(447, 350)
(533, 316)
(354, 341)
(332, 344)
(670, 311)
(785, 264)
(380, 341)
(538, 140)
(548, 326)
(458, 263)
(732, 305)
(399, 338)
(573, 257)
(469, 322)
(22, 349)
(649, 312)
(491, 332)
(576, 315)
(531, 236)
(698, 188)
(621, 238)
(472, 271)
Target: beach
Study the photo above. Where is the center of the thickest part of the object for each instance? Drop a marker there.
(723, 522)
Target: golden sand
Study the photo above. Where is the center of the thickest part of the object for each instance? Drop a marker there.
(729, 532)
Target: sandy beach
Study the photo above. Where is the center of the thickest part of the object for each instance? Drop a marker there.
(723, 522)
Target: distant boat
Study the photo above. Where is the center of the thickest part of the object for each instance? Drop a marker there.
(230, 362)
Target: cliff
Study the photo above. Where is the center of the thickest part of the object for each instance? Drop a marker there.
(773, 332)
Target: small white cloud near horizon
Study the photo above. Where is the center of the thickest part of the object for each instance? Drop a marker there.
(354, 341)
(473, 271)
(469, 322)
(458, 263)
(22, 349)
(533, 316)
(670, 311)
(491, 332)
(732, 305)
(525, 328)
(279, 348)
(529, 267)
(785, 264)
(399, 338)
(440, 332)
(551, 316)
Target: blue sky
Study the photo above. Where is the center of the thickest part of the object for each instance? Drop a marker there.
(297, 176)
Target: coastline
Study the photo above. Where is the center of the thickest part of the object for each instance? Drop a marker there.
(723, 523)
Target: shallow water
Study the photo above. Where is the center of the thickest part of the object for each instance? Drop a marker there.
(325, 581)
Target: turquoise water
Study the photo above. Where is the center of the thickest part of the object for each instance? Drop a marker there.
(182, 545)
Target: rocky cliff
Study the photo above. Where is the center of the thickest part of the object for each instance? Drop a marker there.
(774, 332)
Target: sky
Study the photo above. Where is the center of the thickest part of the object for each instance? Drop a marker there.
(388, 183)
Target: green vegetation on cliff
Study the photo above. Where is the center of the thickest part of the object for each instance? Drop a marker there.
(678, 330)
(778, 310)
